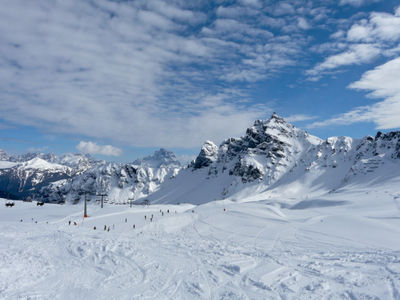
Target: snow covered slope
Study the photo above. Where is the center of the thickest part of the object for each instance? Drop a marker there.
(344, 245)
(120, 182)
(276, 158)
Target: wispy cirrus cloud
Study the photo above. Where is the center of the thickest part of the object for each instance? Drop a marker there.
(142, 72)
(156, 73)
(366, 40)
(354, 55)
(299, 118)
(382, 82)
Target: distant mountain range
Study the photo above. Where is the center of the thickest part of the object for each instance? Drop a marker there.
(24, 175)
(68, 178)
(272, 158)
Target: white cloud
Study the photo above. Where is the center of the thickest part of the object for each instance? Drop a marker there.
(379, 27)
(232, 26)
(355, 55)
(299, 118)
(255, 3)
(140, 72)
(358, 33)
(303, 23)
(234, 12)
(122, 71)
(283, 8)
(170, 11)
(377, 36)
(93, 148)
(381, 82)
(356, 2)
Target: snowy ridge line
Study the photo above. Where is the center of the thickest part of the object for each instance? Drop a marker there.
(68, 178)
(273, 158)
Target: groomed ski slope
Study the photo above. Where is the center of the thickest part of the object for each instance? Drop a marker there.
(342, 246)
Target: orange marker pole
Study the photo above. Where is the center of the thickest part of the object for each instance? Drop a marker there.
(85, 209)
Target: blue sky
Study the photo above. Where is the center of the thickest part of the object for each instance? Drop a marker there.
(119, 79)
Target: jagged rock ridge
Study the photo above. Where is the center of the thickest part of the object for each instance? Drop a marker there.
(121, 182)
(272, 157)
(23, 175)
(276, 157)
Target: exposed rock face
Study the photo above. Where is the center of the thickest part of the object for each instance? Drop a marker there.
(160, 158)
(19, 179)
(208, 154)
(274, 155)
(121, 182)
(266, 151)
(68, 177)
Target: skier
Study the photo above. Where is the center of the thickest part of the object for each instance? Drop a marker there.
(105, 227)
(94, 228)
(145, 217)
(134, 226)
(126, 220)
(69, 222)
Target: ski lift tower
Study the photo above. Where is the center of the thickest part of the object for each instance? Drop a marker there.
(130, 202)
(102, 195)
(85, 207)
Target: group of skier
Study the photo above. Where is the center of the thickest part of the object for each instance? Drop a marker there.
(108, 228)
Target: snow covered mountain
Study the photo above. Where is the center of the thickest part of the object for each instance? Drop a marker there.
(120, 182)
(24, 175)
(276, 158)
(273, 158)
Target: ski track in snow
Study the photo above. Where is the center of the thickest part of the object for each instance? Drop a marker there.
(248, 251)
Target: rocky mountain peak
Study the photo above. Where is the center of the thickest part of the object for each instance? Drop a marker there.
(276, 118)
(158, 158)
(272, 128)
(208, 154)
(165, 155)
